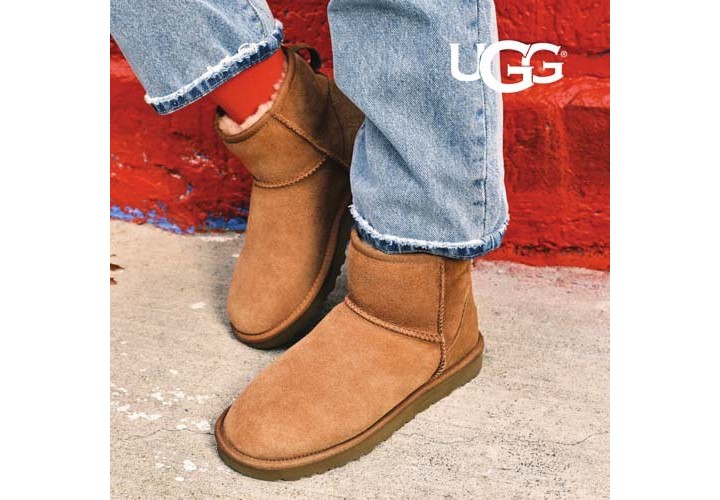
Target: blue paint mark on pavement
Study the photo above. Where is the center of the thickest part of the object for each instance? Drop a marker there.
(225, 224)
(131, 214)
(212, 223)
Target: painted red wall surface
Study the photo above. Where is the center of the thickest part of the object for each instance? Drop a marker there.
(172, 171)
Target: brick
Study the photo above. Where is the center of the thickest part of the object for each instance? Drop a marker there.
(174, 166)
(557, 174)
(583, 26)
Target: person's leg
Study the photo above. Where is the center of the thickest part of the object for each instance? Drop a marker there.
(298, 151)
(249, 94)
(183, 50)
(427, 172)
(427, 182)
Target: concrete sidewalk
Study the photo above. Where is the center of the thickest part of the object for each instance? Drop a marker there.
(533, 424)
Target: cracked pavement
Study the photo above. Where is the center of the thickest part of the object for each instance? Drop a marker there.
(533, 424)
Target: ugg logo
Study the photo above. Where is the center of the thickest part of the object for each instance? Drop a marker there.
(486, 55)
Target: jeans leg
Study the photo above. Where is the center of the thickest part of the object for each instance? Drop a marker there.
(181, 50)
(427, 172)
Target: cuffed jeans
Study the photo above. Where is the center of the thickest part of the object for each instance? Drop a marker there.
(427, 171)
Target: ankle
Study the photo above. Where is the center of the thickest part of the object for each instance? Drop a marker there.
(249, 95)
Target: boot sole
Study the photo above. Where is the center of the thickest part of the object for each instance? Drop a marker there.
(306, 321)
(291, 469)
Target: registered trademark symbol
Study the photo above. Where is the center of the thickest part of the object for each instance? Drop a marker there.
(563, 53)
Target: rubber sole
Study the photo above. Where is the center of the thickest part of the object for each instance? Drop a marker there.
(306, 321)
(431, 392)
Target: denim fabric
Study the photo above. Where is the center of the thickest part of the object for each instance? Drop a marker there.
(427, 172)
(181, 50)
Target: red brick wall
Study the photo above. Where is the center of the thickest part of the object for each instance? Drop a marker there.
(173, 171)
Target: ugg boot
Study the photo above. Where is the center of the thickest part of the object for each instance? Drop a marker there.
(299, 155)
(405, 337)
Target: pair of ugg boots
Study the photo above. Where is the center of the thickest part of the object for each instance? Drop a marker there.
(405, 336)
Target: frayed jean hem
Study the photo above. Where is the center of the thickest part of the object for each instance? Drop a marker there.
(247, 55)
(397, 245)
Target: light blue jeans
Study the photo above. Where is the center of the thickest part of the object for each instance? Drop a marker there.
(427, 172)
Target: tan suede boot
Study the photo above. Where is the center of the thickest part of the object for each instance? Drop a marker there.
(299, 155)
(405, 337)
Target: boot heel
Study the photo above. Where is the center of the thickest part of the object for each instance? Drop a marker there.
(450, 380)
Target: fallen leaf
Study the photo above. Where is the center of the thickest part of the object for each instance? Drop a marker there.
(115, 267)
(112, 281)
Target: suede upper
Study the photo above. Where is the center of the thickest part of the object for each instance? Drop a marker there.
(388, 339)
(298, 154)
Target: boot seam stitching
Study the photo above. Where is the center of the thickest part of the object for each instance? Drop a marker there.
(295, 180)
(441, 322)
(462, 318)
(312, 142)
(389, 326)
